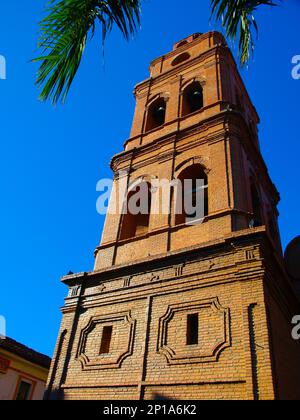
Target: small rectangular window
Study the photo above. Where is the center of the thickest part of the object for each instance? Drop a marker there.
(106, 340)
(192, 329)
(24, 390)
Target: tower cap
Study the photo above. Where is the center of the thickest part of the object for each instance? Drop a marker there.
(187, 40)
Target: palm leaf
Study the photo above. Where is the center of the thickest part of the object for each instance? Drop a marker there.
(237, 17)
(64, 33)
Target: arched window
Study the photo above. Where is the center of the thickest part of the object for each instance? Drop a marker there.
(181, 58)
(196, 35)
(256, 206)
(192, 99)
(136, 217)
(156, 114)
(192, 195)
(181, 44)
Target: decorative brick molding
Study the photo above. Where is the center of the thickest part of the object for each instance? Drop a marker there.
(201, 160)
(179, 270)
(127, 281)
(216, 328)
(91, 359)
(188, 81)
(74, 291)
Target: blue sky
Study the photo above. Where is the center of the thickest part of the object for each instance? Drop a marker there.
(52, 157)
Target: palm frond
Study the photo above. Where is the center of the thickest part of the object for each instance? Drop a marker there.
(64, 33)
(237, 17)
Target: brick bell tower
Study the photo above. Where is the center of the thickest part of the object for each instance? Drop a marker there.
(177, 310)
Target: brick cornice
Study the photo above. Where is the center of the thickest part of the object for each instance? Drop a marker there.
(244, 235)
(196, 128)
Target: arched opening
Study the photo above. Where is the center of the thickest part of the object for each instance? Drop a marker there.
(181, 58)
(192, 99)
(181, 44)
(192, 195)
(156, 114)
(256, 207)
(197, 35)
(136, 217)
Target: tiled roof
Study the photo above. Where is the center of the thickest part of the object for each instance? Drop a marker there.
(25, 352)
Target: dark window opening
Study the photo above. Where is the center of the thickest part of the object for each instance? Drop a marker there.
(192, 334)
(256, 207)
(156, 114)
(137, 224)
(181, 44)
(192, 99)
(181, 58)
(24, 390)
(106, 340)
(197, 35)
(193, 173)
